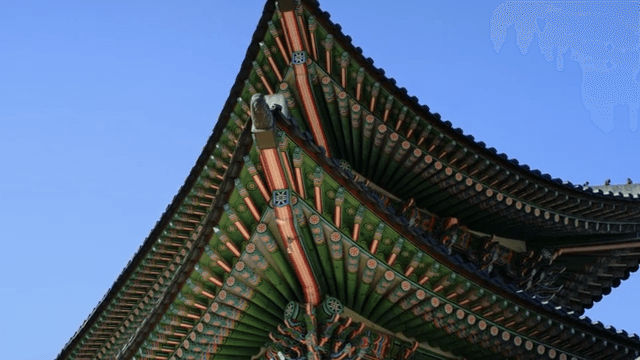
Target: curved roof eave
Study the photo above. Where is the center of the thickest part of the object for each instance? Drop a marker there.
(457, 134)
(223, 119)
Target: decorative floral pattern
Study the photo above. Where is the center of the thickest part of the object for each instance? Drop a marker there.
(352, 261)
(385, 282)
(369, 271)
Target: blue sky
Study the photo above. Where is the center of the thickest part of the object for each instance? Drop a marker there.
(105, 107)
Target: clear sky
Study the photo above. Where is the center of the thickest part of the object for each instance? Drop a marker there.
(105, 106)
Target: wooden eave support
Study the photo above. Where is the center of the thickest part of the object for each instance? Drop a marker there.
(328, 46)
(255, 176)
(338, 203)
(302, 28)
(398, 158)
(255, 212)
(297, 38)
(299, 177)
(262, 77)
(344, 66)
(312, 35)
(271, 60)
(284, 157)
(276, 35)
(387, 108)
(233, 217)
(357, 222)
(265, 140)
(331, 103)
(318, 177)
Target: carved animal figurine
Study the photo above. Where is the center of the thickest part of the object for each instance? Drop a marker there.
(261, 113)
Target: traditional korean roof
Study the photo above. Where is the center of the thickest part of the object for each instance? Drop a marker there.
(442, 246)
